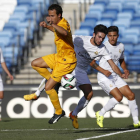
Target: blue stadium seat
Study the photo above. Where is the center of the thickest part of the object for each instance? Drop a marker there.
(128, 49)
(101, 2)
(104, 22)
(124, 15)
(97, 7)
(136, 50)
(82, 32)
(129, 9)
(92, 16)
(131, 31)
(136, 17)
(109, 16)
(129, 39)
(87, 26)
(135, 24)
(114, 9)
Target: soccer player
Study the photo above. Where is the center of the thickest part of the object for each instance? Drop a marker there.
(3, 64)
(114, 85)
(63, 62)
(87, 48)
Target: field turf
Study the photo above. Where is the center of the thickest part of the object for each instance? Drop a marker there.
(39, 129)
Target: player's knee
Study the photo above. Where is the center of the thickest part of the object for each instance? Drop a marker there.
(119, 98)
(131, 96)
(89, 95)
(1, 96)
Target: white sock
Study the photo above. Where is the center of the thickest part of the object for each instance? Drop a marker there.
(110, 104)
(81, 105)
(134, 110)
(41, 87)
(0, 108)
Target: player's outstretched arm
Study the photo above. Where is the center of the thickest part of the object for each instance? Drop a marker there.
(6, 70)
(115, 68)
(44, 24)
(97, 67)
(123, 65)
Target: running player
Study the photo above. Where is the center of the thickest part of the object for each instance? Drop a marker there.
(3, 64)
(87, 48)
(63, 62)
(114, 85)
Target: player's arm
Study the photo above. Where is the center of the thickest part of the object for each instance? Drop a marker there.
(123, 65)
(3, 64)
(60, 29)
(44, 24)
(97, 67)
(115, 68)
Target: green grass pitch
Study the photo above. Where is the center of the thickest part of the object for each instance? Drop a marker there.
(39, 129)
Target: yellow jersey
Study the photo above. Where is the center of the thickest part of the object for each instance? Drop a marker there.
(65, 47)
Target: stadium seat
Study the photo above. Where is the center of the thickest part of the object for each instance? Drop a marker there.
(136, 17)
(128, 49)
(131, 31)
(82, 32)
(135, 24)
(114, 9)
(124, 15)
(97, 7)
(129, 9)
(92, 16)
(87, 26)
(109, 16)
(104, 22)
(101, 2)
(136, 50)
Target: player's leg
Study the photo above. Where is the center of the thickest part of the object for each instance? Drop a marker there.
(58, 71)
(109, 87)
(41, 66)
(126, 91)
(84, 84)
(1, 94)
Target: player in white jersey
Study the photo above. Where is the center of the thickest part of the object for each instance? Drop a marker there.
(87, 48)
(3, 64)
(114, 85)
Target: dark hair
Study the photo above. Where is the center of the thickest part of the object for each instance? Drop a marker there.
(113, 29)
(100, 28)
(56, 7)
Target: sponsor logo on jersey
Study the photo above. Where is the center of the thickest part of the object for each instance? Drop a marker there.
(111, 85)
(96, 53)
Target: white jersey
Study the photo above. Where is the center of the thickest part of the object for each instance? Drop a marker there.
(1, 61)
(1, 56)
(116, 53)
(86, 52)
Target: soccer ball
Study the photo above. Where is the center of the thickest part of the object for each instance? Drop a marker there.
(68, 81)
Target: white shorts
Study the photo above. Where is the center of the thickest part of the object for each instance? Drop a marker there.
(1, 85)
(81, 77)
(109, 84)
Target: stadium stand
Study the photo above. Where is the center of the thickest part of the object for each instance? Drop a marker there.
(19, 29)
(126, 15)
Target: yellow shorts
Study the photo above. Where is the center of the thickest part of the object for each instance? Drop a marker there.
(59, 69)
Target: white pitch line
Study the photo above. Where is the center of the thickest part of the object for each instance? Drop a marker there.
(95, 137)
(4, 130)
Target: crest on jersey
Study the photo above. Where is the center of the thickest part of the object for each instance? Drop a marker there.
(96, 53)
(111, 85)
(120, 50)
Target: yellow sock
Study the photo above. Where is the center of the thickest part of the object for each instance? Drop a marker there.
(55, 101)
(43, 72)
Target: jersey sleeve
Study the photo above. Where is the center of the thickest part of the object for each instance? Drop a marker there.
(65, 25)
(122, 55)
(1, 56)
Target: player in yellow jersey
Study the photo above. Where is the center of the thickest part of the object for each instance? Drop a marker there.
(63, 62)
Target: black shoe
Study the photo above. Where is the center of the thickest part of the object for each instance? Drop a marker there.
(56, 117)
